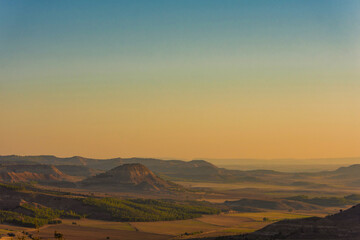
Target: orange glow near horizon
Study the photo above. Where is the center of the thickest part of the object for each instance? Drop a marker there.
(238, 124)
(180, 79)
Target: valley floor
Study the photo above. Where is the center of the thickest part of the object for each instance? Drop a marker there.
(209, 225)
(232, 223)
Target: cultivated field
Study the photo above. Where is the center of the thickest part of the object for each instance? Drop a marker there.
(73, 232)
(216, 225)
(175, 228)
(207, 225)
(100, 224)
(271, 215)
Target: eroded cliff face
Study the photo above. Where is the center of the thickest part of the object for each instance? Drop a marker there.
(31, 172)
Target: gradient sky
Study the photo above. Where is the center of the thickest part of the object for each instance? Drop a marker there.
(180, 79)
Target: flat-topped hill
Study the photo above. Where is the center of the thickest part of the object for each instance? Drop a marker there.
(129, 177)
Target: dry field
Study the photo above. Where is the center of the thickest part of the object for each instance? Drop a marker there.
(73, 232)
(5, 229)
(236, 223)
(174, 227)
(271, 215)
(216, 225)
(100, 224)
(224, 220)
(209, 225)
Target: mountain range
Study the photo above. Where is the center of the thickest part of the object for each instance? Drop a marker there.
(195, 170)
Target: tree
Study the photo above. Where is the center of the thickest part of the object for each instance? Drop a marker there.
(58, 235)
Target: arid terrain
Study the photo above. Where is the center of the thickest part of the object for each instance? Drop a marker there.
(160, 199)
(175, 120)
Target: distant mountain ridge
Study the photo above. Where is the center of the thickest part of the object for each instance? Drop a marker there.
(176, 169)
(195, 170)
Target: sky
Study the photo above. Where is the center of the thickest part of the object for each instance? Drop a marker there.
(180, 79)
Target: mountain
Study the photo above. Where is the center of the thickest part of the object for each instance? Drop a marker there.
(129, 177)
(31, 172)
(195, 170)
(344, 225)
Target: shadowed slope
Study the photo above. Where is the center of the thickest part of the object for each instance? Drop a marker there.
(341, 226)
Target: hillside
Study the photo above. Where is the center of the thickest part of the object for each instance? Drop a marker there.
(77, 170)
(195, 170)
(129, 177)
(349, 175)
(258, 205)
(31, 172)
(344, 225)
(30, 207)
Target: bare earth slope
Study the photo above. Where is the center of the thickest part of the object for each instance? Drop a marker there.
(31, 172)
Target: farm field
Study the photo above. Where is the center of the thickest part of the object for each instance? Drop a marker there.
(231, 186)
(205, 226)
(73, 232)
(99, 224)
(224, 220)
(175, 228)
(236, 223)
(6, 228)
(216, 225)
(272, 215)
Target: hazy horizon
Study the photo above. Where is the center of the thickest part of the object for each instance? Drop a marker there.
(185, 119)
(221, 79)
(246, 164)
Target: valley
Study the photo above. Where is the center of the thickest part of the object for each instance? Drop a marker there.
(147, 198)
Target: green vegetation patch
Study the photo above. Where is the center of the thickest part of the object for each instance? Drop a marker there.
(327, 201)
(13, 187)
(49, 213)
(21, 219)
(142, 210)
(28, 215)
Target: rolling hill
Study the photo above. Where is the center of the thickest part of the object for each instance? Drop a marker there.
(28, 206)
(78, 170)
(258, 205)
(129, 177)
(344, 225)
(195, 170)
